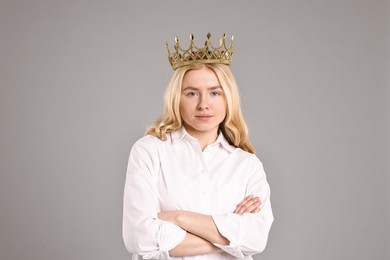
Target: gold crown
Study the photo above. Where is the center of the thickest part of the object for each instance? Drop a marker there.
(207, 54)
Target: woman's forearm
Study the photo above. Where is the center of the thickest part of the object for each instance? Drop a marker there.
(193, 245)
(196, 223)
(201, 225)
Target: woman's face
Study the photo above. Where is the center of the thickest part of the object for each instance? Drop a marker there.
(202, 103)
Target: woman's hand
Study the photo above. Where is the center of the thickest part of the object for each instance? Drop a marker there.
(248, 205)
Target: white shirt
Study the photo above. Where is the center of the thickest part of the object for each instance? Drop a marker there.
(177, 175)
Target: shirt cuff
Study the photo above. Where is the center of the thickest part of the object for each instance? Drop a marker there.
(228, 228)
(176, 236)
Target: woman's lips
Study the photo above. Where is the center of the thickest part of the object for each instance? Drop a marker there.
(204, 117)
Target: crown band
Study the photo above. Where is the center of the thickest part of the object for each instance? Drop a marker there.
(207, 54)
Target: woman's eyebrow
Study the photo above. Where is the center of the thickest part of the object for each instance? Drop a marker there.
(190, 88)
(213, 88)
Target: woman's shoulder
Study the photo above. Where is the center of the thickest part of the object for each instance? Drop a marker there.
(246, 156)
(149, 141)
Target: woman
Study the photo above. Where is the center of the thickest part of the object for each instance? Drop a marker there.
(193, 184)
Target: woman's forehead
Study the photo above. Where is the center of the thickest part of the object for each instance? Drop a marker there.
(203, 77)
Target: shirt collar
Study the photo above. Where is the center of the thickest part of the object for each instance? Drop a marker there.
(181, 133)
(225, 144)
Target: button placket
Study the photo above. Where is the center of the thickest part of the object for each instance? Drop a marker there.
(203, 191)
(203, 178)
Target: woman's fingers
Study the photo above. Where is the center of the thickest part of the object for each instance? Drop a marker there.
(256, 210)
(242, 203)
(251, 206)
(248, 205)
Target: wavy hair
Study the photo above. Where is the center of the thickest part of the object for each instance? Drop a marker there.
(233, 126)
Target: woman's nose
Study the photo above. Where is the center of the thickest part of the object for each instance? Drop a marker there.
(203, 102)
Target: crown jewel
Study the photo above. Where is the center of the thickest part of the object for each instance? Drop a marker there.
(208, 54)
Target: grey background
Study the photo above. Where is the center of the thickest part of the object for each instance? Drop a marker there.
(81, 80)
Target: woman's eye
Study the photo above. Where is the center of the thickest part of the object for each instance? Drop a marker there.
(191, 94)
(215, 93)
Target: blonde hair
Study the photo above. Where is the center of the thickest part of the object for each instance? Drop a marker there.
(233, 126)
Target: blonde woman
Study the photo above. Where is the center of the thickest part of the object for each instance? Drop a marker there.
(194, 187)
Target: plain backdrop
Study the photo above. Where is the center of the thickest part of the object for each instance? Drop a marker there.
(81, 80)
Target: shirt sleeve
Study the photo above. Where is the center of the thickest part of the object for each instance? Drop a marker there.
(248, 233)
(143, 232)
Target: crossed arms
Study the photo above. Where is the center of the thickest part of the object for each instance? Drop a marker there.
(202, 232)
